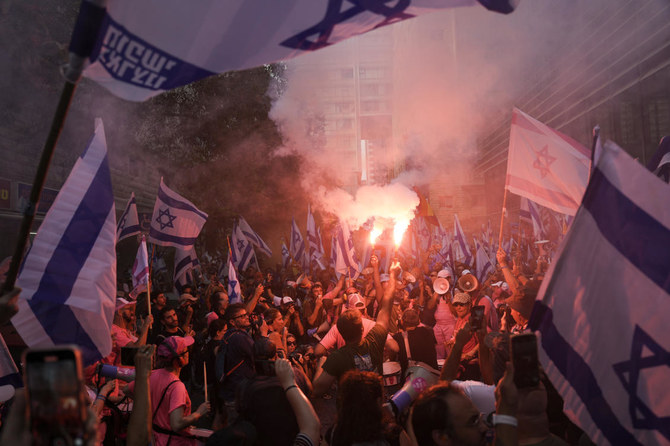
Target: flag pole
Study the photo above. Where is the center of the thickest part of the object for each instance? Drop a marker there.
(596, 135)
(57, 124)
(502, 219)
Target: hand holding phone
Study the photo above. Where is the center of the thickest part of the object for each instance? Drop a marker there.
(477, 317)
(524, 357)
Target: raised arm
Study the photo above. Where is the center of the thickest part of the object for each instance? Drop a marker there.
(386, 304)
(254, 300)
(507, 272)
(374, 263)
(308, 421)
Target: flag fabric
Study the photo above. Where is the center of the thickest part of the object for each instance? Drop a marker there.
(69, 275)
(140, 274)
(185, 261)
(423, 233)
(602, 308)
(346, 258)
(531, 212)
(285, 256)
(461, 248)
(129, 223)
(175, 221)
(546, 166)
(659, 164)
(234, 290)
(253, 237)
(333, 251)
(484, 264)
(132, 48)
(313, 241)
(242, 252)
(297, 245)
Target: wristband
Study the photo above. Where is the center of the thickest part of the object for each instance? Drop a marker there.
(504, 419)
(293, 386)
(101, 397)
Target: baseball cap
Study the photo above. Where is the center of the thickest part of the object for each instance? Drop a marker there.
(186, 297)
(286, 300)
(463, 298)
(355, 301)
(445, 273)
(121, 302)
(174, 346)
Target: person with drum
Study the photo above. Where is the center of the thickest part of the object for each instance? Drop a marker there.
(417, 342)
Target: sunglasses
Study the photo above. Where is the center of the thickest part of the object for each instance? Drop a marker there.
(290, 343)
(460, 304)
(241, 315)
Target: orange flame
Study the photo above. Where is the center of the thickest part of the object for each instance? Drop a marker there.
(376, 232)
(399, 231)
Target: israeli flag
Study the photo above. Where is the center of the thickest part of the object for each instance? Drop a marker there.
(462, 250)
(129, 223)
(602, 311)
(185, 260)
(297, 245)
(484, 265)
(69, 275)
(242, 252)
(139, 48)
(285, 256)
(175, 221)
(253, 237)
(314, 241)
(140, 275)
(234, 290)
(530, 211)
(346, 260)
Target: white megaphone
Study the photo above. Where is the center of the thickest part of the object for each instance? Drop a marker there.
(441, 285)
(419, 378)
(123, 373)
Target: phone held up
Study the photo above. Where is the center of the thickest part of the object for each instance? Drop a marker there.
(56, 395)
(524, 358)
(477, 317)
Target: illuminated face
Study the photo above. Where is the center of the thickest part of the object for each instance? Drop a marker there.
(170, 319)
(277, 323)
(291, 344)
(161, 300)
(467, 427)
(462, 309)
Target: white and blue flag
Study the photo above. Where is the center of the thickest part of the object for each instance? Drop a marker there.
(346, 259)
(69, 275)
(297, 245)
(314, 241)
(175, 221)
(253, 237)
(185, 261)
(530, 211)
(139, 48)
(140, 272)
(602, 311)
(129, 223)
(484, 265)
(285, 256)
(242, 252)
(461, 248)
(234, 290)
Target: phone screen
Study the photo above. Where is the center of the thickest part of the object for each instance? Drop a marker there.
(477, 317)
(524, 357)
(55, 395)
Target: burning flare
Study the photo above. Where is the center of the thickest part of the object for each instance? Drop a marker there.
(376, 232)
(399, 231)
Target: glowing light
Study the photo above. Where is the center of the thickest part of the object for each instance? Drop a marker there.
(399, 231)
(376, 232)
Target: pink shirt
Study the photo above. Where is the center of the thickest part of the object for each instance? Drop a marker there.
(120, 338)
(175, 397)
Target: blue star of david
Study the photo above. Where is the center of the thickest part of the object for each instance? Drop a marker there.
(641, 416)
(335, 15)
(170, 218)
(240, 245)
(543, 161)
(296, 239)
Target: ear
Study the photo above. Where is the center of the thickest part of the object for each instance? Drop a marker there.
(441, 438)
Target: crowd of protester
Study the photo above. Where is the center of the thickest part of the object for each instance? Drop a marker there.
(306, 359)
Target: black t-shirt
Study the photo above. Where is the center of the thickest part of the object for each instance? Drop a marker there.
(239, 361)
(367, 356)
(421, 345)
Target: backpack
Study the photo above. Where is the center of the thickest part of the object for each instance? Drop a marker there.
(220, 360)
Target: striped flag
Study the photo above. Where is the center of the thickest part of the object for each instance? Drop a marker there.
(546, 166)
(140, 273)
(234, 290)
(461, 248)
(603, 307)
(297, 245)
(531, 212)
(242, 252)
(185, 261)
(314, 241)
(346, 260)
(175, 221)
(285, 255)
(135, 52)
(69, 275)
(253, 237)
(129, 223)
(484, 264)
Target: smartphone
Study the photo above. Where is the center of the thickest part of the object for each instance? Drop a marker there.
(523, 350)
(128, 356)
(56, 395)
(477, 317)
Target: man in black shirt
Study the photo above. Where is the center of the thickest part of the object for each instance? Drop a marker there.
(420, 339)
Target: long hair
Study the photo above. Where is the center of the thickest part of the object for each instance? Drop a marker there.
(359, 410)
